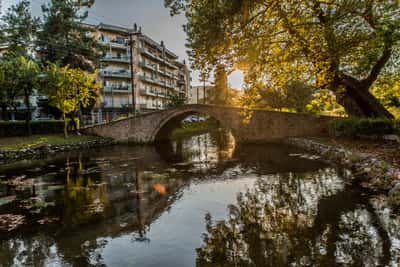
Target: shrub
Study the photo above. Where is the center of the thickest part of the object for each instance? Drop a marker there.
(358, 127)
(397, 127)
(17, 128)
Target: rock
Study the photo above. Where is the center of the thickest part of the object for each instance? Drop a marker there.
(392, 138)
(394, 195)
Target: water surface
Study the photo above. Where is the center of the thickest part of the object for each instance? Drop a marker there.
(198, 201)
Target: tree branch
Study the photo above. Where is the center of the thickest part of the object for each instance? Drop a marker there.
(377, 68)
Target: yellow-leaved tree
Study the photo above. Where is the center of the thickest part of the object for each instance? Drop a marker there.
(69, 89)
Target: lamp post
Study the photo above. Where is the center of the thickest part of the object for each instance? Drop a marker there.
(131, 46)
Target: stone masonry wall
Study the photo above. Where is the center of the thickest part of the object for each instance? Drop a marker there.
(264, 126)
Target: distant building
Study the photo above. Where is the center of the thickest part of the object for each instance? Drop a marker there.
(196, 94)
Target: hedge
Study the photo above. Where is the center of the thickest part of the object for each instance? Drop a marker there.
(18, 128)
(359, 127)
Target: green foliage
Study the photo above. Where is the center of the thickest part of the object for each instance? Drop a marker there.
(294, 96)
(42, 138)
(324, 102)
(19, 28)
(18, 79)
(190, 128)
(354, 127)
(387, 90)
(8, 90)
(64, 38)
(175, 100)
(17, 128)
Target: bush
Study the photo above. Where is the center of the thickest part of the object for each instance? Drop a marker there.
(17, 128)
(356, 127)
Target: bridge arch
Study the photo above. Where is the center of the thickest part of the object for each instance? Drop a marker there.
(263, 126)
(170, 122)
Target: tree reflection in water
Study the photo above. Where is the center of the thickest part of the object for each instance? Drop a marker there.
(298, 220)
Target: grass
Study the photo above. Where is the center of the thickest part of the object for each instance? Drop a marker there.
(15, 143)
(194, 128)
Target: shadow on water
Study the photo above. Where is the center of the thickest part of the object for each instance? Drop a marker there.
(265, 205)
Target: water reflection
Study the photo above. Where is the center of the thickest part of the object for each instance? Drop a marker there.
(145, 206)
(300, 220)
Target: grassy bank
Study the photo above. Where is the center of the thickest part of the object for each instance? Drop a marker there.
(193, 128)
(15, 143)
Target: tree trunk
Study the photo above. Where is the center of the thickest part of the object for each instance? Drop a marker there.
(359, 102)
(65, 125)
(28, 114)
(4, 112)
(72, 118)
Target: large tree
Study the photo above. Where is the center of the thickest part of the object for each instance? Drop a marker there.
(340, 45)
(19, 28)
(8, 91)
(64, 38)
(18, 79)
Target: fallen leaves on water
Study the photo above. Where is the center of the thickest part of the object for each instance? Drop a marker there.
(95, 208)
(36, 204)
(10, 222)
(159, 188)
(48, 220)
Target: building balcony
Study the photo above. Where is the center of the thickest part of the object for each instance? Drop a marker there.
(148, 66)
(116, 74)
(152, 92)
(116, 59)
(114, 44)
(156, 57)
(148, 92)
(117, 89)
(151, 80)
(151, 106)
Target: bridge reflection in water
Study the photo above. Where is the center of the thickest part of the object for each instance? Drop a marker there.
(145, 206)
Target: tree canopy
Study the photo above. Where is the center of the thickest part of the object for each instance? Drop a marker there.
(338, 45)
(69, 89)
(19, 28)
(64, 38)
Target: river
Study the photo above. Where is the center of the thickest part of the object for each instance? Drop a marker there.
(196, 201)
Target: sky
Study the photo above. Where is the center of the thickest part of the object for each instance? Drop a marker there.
(154, 18)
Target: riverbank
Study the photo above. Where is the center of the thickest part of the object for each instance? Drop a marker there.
(34, 147)
(375, 165)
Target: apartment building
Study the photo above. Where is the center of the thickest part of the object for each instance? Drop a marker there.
(136, 69)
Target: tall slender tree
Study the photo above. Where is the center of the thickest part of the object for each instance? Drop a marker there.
(219, 92)
(339, 45)
(64, 38)
(9, 92)
(19, 28)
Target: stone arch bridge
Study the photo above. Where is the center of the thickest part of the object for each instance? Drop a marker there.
(263, 126)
